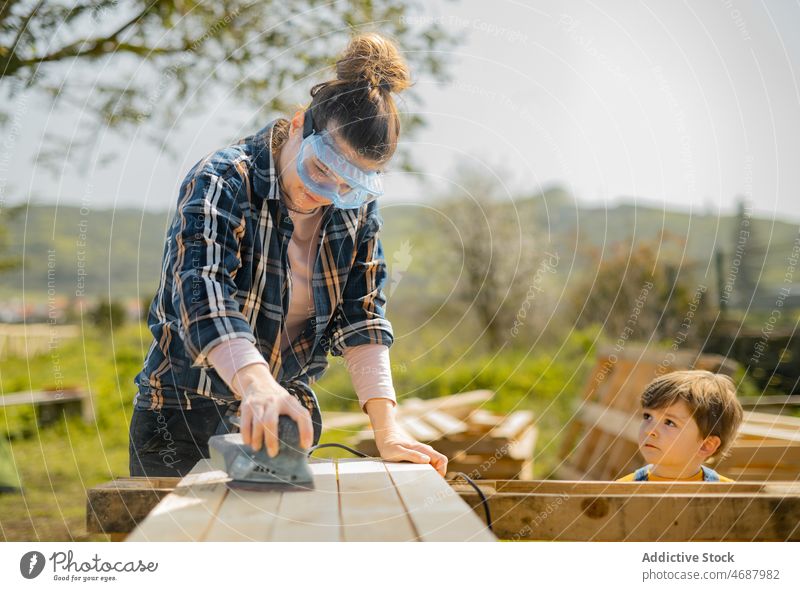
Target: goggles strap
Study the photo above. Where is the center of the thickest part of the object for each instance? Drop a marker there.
(308, 124)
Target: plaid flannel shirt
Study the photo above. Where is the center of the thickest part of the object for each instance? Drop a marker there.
(225, 274)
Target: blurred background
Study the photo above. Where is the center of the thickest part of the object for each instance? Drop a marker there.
(572, 178)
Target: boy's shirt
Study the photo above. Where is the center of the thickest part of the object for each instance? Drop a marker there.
(653, 478)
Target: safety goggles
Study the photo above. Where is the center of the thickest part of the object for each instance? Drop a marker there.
(328, 173)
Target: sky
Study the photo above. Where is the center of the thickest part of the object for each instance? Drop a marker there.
(680, 105)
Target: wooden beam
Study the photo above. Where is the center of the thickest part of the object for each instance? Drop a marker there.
(643, 517)
(590, 487)
(187, 513)
(789, 402)
(513, 425)
(116, 507)
(418, 429)
(446, 424)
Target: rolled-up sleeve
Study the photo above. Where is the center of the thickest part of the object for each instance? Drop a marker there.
(360, 318)
(208, 233)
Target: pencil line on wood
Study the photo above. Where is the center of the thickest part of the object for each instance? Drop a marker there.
(339, 499)
(417, 535)
(213, 519)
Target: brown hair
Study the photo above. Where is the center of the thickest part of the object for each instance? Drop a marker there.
(359, 101)
(711, 398)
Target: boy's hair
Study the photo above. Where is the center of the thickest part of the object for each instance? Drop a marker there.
(711, 398)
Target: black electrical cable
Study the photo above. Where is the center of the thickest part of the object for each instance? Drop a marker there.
(355, 452)
(484, 500)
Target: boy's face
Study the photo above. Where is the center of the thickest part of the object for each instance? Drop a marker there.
(670, 437)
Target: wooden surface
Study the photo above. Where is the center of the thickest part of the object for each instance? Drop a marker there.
(641, 511)
(521, 510)
(353, 500)
(50, 403)
(116, 507)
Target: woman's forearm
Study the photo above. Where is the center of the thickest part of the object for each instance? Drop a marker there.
(239, 364)
(370, 372)
(382, 414)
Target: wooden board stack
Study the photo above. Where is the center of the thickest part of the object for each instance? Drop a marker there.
(477, 442)
(601, 442)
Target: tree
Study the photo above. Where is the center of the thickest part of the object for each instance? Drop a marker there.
(7, 214)
(255, 49)
(642, 292)
(107, 314)
(502, 267)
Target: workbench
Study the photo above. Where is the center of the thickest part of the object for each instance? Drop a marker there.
(352, 500)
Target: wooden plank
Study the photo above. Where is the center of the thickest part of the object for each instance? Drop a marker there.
(187, 513)
(438, 513)
(763, 474)
(311, 516)
(777, 401)
(481, 467)
(763, 454)
(418, 429)
(768, 432)
(617, 427)
(344, 420)
(458, 405)
(245, 516)
(512, 425)
(43, 397)
(612, 421)
(591, 487)
(643, 517)
(117, 506)
(371, 509)
(523, 446)
(483, 418)
(446, 424)
(771, 420)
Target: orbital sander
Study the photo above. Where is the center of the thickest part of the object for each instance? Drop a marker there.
(255, 470)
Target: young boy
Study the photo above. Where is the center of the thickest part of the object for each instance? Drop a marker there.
(688, 417)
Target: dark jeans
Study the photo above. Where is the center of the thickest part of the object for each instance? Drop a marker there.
(169, 442)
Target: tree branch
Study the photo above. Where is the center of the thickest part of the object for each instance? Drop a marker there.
(98, 48)
(24, 26)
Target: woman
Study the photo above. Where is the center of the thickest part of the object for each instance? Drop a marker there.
(273, 260)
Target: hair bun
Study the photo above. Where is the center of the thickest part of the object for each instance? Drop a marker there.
(374, 59)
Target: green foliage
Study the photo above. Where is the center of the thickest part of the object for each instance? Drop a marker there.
(7, 217)
(107, 314)
(644, 293)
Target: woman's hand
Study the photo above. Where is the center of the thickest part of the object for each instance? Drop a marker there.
(393, 444)
(263, 401)
(396, 446)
